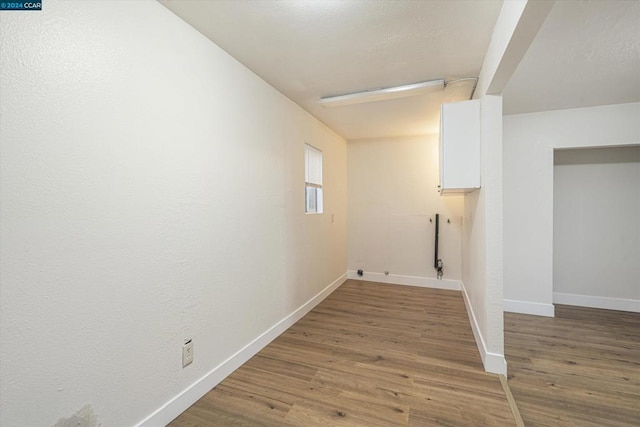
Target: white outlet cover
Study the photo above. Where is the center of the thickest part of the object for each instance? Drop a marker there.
(187, 353)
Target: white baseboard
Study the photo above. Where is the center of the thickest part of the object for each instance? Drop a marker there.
(397, 279)
(188, 397)
(493, 362)
(525, 307)
(622, 304)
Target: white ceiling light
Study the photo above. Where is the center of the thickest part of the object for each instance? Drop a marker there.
(383, 94)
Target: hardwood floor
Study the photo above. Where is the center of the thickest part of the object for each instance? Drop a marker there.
(581, 368)
(369, 355)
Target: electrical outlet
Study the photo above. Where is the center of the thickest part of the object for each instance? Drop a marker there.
(187, 353)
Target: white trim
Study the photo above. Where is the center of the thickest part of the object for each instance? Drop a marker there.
(195, 391)
(526, 307)
(623, 304)
(493, 362)
(397, 279)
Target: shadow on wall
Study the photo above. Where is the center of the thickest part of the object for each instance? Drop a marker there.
(596, 227)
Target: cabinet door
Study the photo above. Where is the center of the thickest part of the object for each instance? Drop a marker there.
(460, 146)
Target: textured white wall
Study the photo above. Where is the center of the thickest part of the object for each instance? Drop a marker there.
(596, 222)
(152, 190)
(482, 240)
(392, 193)
(529, 143)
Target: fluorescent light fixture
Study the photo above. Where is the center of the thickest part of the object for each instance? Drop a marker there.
(383, 94)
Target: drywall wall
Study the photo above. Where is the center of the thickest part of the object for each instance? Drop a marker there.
(596, 223)
(152, 190)
(482, 242)
(529, 143)
(392, 196)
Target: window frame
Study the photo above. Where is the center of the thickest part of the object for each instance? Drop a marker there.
(313, 174)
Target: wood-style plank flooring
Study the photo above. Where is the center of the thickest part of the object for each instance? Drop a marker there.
(581, 368)
(369, 355)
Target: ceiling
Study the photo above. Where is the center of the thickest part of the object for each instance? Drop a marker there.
(309, 49)
(586, 53)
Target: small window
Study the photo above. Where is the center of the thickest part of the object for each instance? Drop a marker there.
(312, 179)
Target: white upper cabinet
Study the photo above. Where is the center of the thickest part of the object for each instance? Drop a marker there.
(460, 147)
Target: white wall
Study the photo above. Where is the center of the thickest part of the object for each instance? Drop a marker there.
(482, 247)
(596, 223)
(392, 193)
(529, 143)
(152, 190)
(482, 242)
